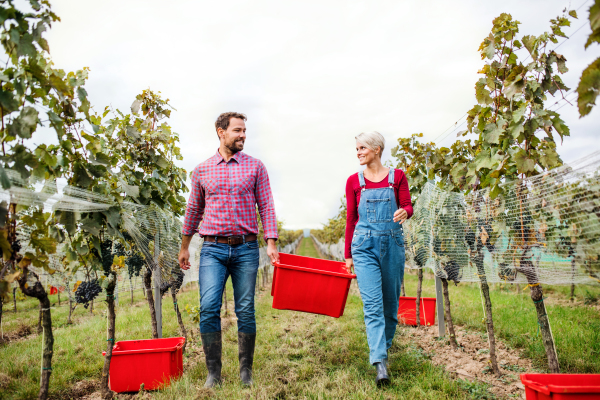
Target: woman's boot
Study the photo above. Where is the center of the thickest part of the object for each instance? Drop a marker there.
(212, 344)
(382, 378)
(246, 342)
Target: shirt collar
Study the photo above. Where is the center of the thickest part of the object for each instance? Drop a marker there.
(237, 157)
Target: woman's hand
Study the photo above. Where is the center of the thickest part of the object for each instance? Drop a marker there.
(349, 265)
(400, 215)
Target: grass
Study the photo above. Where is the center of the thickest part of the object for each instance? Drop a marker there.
(300, 355)
(28, 311)
(307, 248)
(576, 328)
(78, 347)
(317, 357)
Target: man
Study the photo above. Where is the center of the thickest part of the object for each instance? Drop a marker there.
(226, 189)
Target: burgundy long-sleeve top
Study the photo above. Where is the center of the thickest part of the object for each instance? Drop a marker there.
(401, 192)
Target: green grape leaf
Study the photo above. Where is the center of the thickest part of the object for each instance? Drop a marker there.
(524, 164)
(594, 24)
(481, 93)
(588, 88)
(491, 133)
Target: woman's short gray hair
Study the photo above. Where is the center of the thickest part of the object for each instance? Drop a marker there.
(372, 140)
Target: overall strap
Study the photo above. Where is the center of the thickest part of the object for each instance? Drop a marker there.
(391, 177)
(361, 180)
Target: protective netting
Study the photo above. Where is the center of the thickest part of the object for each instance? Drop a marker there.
(154, 238)
(544, 229)
(333, 250)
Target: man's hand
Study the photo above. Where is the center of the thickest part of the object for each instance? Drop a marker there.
(349, 265)
(272, 251)
(184, 253)
(400, 215)
(184, 259)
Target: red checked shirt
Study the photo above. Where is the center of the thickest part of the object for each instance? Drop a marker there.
(225, 195)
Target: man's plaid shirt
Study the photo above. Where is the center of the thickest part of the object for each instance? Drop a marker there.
(224, 197)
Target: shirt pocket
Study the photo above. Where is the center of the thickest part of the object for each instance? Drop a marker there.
(246, 183)
(211, 186)
(379, 210)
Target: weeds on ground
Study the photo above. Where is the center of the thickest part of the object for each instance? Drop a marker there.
(576, 329)
(477, 390)
(590, 298)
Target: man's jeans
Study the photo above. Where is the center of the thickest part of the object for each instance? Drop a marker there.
(217, 262)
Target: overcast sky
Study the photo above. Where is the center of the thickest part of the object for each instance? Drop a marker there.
(310, 75)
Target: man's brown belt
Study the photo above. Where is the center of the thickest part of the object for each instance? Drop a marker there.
(230, 240)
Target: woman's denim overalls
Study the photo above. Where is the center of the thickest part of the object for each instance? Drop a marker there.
(378, 255)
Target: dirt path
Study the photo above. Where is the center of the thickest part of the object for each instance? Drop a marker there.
(471, 361)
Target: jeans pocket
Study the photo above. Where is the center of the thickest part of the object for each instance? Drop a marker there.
(357, 241)
(399, 239)
(252, 245)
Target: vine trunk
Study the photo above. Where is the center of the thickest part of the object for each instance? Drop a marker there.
(150, 298)
(37, 291)
(110, 340)
(485, 290)
(179, 320)
(527, 268)
(418, 301)
(448, 316)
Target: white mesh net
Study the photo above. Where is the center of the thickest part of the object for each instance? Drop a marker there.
(544, 229)
(154, 235)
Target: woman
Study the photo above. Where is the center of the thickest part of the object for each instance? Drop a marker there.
(378, 203)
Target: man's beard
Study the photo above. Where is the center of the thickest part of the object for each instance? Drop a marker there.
(235, 146)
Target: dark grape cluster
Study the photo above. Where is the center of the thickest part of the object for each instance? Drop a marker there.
(16, 246)
(107, 256)
(87, 292)
(421, 257)
(134, 263)
(177, 279)
(164, 286)
(470, 239)
(522, 227)
(454, 271)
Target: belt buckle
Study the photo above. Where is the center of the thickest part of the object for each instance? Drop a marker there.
(229, 240)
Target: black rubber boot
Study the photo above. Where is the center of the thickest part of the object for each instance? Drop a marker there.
(382, 378)
(212, 344)
(246, 342)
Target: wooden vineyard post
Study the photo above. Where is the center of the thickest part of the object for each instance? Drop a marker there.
(439, 304)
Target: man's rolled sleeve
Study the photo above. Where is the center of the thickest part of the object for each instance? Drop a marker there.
(266, 205)
(195, 206)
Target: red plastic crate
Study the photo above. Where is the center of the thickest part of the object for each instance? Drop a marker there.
(407, 311)
(310, 285)
(153, 362)
(561, 386)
